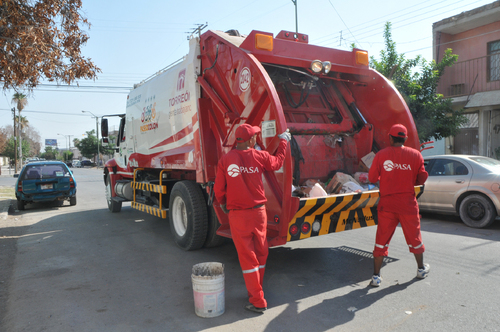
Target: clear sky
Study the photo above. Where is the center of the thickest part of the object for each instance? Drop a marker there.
(131, 40)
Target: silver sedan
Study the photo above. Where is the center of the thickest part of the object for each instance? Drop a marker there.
(465, 185)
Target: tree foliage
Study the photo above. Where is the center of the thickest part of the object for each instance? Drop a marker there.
(30, 135)
(432, 113)
(87, 145)
(10, 151)
(3, 139)
(42, 39)
(50, 153)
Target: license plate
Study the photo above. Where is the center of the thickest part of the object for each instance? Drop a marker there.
(46, 186)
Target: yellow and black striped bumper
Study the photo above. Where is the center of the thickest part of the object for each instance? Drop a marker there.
(331, 214)
(162, 213)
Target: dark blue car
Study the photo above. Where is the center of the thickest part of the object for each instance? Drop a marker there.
(45, 181)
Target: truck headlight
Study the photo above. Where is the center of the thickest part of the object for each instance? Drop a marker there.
(326, 67)
(316, 66)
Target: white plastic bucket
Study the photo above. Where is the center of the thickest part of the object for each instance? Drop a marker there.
(208, 289)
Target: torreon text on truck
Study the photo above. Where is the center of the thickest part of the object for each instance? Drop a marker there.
(179, 123)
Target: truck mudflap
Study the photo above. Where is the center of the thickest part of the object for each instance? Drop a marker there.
(332, 214)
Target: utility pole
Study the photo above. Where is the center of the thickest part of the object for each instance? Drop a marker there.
(296, 19)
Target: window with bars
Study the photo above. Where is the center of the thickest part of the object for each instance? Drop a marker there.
(494, 61)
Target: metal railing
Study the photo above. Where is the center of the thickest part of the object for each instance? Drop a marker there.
(471, 76)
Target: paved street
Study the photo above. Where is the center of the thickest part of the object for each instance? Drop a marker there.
(82, 268)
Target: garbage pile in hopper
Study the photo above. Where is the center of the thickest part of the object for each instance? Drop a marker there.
(339, 182)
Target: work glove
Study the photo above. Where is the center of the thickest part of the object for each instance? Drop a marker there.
(286, 135)
(223, 207)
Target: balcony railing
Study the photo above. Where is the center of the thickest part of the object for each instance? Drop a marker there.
(471, 76)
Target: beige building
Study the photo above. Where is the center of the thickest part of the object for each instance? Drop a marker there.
(473, 82)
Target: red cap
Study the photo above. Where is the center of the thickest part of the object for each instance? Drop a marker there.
(398, 130)
(245, 131)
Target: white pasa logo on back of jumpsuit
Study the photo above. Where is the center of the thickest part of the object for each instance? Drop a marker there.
(389, 166)
(233, 170)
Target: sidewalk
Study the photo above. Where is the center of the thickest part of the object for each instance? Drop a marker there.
(6, 172)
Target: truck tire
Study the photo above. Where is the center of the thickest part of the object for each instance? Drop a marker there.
(20, 204)
(113, 205)
(477, 211)
(187, 215)
(213, 240)
(72, 201)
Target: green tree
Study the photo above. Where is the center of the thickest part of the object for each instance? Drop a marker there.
(3, 139)
(417, 80)
(109, 149)
(50, 153)
(87, 145)
(10, 149)
(67, 155)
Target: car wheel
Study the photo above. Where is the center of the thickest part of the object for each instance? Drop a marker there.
(113, 205)
(72, 200)
(477, 211)
(187, 215)
(20, 204)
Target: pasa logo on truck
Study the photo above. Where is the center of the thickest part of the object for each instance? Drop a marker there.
(245, 79)
(389, 166)
(148, 115)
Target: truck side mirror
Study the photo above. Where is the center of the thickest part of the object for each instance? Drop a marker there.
(104, 127)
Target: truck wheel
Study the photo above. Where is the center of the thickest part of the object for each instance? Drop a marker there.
(477, 211)
(113, 205)
(20, 204)
(187, 215)
(213, 240)
(72, 200)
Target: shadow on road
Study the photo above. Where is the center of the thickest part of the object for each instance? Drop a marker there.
(125, 270)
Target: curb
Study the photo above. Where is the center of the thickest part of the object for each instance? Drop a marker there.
(4, 208)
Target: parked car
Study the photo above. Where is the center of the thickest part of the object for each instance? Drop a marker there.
(465, 185)
(45, 181)
(84, 163)
(77, 163)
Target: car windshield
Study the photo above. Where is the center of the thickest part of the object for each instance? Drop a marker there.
(45, 172)
(489, 163)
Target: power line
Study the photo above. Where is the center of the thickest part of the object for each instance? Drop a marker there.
(385, 18)
(343, 21)
(45, 112)
(395, 26)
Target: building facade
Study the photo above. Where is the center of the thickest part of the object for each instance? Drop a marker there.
(473, 82)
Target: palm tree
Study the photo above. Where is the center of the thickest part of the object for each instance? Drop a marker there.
(23, 122)
(21, 101)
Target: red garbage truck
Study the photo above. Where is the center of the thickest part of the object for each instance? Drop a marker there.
(181, 121)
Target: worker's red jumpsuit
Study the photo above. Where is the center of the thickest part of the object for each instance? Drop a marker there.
(239, 185)
(399, 169)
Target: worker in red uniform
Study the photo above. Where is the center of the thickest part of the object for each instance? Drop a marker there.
(399, 169)
(240, 191)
